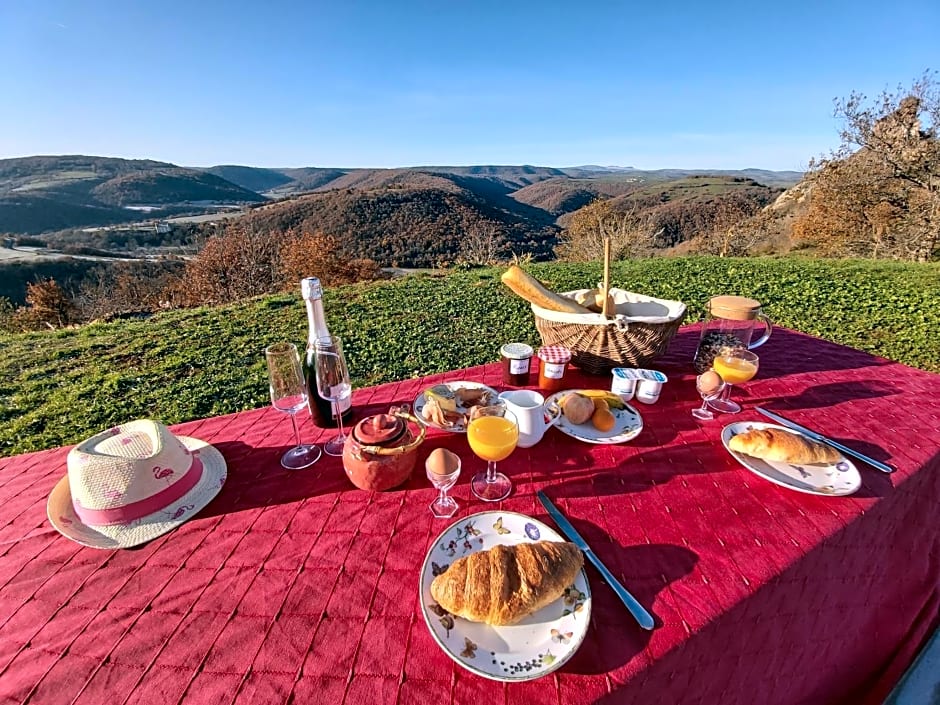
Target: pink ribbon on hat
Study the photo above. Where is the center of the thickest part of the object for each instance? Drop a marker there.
(144, 507)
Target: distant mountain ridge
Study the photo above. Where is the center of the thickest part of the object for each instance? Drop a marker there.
(46, 193)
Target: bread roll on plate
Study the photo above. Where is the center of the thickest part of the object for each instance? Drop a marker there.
(782, 446)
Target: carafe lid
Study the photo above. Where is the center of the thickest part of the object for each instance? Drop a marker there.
(734, 308)
(381, 429)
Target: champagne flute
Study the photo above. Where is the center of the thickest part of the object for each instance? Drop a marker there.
(709, 385)
(735, 366)
(289, 394)
(493, 433)
(332, 384)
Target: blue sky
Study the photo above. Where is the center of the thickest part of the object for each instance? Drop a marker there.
(397, 83)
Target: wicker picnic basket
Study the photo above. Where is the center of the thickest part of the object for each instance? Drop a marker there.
(638, 331)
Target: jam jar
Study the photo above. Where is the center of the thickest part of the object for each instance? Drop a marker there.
(517, 357)
(553, 361)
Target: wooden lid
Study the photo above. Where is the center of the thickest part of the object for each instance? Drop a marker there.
(734, 308)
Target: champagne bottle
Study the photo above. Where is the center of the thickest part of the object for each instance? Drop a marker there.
(321, 409)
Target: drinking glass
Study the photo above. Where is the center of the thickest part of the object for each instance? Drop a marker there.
(444, 506)
(289, 394)
(332, 384)
(735, 366)
(709, 391)
(493, 433)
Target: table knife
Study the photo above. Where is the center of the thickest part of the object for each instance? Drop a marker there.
(644, 618)
(877, 464)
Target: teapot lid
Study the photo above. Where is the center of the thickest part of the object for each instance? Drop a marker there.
(381, 429)
(735, 308)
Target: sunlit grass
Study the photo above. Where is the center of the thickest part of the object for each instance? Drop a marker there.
(59, 387)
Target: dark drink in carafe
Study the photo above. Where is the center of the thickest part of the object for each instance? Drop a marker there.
(321, 409)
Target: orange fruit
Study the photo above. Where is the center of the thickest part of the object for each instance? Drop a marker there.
(602, 419)
(600, 404)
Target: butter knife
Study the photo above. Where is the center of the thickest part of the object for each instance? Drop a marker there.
(644, 618)
(877, 464)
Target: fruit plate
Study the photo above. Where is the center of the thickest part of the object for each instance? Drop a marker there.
(537, 645)
(627, 424)
(460, 426)
(831, 479)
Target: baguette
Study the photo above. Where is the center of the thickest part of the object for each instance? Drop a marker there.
(532, 291)
(783, 447)
(506, 583)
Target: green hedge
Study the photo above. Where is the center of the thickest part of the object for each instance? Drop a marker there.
(59, 387)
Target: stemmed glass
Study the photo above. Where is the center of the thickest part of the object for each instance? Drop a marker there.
(709, 386)
(444, 506)
(493, 433)
(332, 384)
(289, 394)
(735, 366)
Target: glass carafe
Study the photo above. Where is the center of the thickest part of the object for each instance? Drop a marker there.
(730, 322)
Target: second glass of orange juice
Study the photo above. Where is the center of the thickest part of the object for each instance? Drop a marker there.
(493, 433)
(735, 366)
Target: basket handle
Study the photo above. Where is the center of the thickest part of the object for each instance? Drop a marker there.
(605, 291)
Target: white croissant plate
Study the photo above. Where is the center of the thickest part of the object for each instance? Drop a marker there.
(540, 643)
(831, 479)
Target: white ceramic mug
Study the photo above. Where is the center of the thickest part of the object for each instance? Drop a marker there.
(533, 415)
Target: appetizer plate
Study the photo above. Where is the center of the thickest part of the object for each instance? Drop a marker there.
(421, 400)
(529, 649)
(627, 426)
(834, 480)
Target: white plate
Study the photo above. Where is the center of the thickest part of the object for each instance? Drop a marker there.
(421, 400)
(627, 426)
(537, 645)
(831, 479)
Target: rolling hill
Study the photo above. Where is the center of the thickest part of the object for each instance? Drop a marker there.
(46, 193)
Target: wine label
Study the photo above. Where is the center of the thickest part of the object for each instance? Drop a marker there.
(553, 371)
(519, 367)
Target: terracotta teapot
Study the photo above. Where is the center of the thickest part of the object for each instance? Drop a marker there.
(381, 450)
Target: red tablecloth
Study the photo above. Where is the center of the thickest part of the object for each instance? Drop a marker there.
(296, 587)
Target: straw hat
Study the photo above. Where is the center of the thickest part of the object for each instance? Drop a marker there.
(132, 483)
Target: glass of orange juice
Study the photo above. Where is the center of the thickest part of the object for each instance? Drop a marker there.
(493, 433)
(735, 366)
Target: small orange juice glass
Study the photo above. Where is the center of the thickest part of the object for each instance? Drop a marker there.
(493, 433)
(735, 366)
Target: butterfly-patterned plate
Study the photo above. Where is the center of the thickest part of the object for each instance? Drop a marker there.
(829, 479)
(540, 643)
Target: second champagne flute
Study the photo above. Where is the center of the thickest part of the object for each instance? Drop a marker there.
(332, 384)
(289, 394)
(493, 433)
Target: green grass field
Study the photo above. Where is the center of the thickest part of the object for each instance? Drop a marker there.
(58, 387)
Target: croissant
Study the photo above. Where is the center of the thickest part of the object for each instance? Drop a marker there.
(506, 583)
(781, 446)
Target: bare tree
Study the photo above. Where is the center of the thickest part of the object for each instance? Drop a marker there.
(727, 236)
(480, 244)
(897, 134)
(631, 232)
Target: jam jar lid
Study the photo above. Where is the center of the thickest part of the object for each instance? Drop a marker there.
(555, 354)
(381, 429)
(516, 351)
